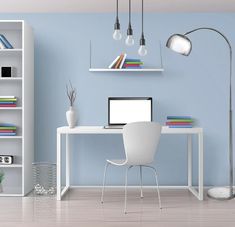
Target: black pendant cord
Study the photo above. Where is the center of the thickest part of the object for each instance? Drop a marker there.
(117, 10)
(117, 24)
(129, 30)
(142, 39)
(142, 17)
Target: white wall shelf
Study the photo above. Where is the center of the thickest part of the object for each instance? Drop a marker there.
(18, 180)
(126, 70)
(143, 69)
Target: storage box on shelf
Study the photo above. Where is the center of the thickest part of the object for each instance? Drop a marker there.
(19, 111)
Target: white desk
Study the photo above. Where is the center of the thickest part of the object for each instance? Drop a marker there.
(100, 130)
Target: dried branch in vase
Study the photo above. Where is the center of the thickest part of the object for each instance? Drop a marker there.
(71, 93)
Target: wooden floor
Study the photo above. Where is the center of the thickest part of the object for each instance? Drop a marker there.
(82, 207)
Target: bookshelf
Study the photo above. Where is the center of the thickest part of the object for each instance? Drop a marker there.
(155, 69)
(18, 176)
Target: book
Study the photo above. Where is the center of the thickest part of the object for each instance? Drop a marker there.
(7, 133)
(13, 128)
(180, 126)
(181, 120)
(122, 62)
(119, 62)
(178, 117)
(133, 62)
(5, 42)
(7, 97)
(131, 65)
(7, 105)
(114, 62)
(8, 100)
(2, 46)
(178, 123)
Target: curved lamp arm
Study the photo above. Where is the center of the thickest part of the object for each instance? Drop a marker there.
(230, 104)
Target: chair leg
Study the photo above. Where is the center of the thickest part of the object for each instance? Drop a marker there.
(126, 179)
(104, 180)
(141, 183)
(158, 191)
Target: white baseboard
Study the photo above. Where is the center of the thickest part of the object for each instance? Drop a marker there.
(132, 186)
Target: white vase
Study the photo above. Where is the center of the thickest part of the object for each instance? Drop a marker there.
(71, 117)
(1, 190)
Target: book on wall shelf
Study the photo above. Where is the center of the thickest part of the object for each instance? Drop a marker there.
(8, 101)
(179, 122)
(122, 62)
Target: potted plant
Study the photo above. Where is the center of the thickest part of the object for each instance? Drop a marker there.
(71, 113)
(1, 179)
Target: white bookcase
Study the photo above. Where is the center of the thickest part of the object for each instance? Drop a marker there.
(18, 176)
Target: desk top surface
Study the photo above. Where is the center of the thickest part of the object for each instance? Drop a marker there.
(102, 130)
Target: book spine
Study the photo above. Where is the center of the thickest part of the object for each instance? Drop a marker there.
(113, 62)
(178, 123)
(181, 120)
(180, 126)
(123, 60)
(8, 134)
(8, 105)
(178, 117)
(119, 61)
(5, 41)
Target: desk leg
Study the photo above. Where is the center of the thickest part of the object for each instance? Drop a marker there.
(190, 158)
(200, 165)
(58, 166)
(67, 161)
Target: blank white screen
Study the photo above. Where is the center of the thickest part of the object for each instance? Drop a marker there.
(127, 111)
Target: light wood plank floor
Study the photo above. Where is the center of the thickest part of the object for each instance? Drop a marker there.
(82, 207)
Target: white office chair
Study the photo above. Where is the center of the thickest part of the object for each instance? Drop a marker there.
(140, 142)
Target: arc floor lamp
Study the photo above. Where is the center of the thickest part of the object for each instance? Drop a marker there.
(180, 43)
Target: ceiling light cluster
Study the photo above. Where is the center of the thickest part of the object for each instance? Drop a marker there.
(130, 40)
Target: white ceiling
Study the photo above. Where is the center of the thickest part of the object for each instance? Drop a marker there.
(85, 6)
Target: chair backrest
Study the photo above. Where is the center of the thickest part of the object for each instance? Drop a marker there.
(141, 141)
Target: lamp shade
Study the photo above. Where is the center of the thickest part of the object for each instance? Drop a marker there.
(180, 44)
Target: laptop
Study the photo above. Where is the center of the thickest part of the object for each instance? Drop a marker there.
(123, 110)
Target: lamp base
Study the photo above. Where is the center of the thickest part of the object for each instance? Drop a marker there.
(220, 193)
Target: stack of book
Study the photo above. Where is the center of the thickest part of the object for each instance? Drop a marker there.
(132, 64)
(122, 62)
(4, 43)
(179, 122)
(8, 101)
(7, 129)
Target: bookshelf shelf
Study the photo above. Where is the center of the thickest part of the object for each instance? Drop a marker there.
(11, 137)
(11, 166)
(126, 70)
(10, 108)
(11, 79)
(18, 176)
(11, 50)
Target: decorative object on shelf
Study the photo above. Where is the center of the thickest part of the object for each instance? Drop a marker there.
(7, 129)
(179, 122)
(44, 175)
(1, 180)
(6, 159)
(71, 113)
(142, 49)
(6, 71)
(8, 101)
(129, 40)
(117, 35)
(180, 43)
(4, 43)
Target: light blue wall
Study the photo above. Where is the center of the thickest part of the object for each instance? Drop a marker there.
(196, 86)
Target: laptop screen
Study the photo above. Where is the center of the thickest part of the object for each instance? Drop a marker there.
(126, 110)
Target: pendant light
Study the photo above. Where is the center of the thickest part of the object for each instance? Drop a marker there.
(142, 49)
(129, 39)
(117, 35)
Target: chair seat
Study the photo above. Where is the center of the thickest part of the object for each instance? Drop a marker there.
(117, 162)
